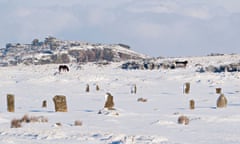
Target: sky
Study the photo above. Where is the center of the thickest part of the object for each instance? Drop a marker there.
(165, 28)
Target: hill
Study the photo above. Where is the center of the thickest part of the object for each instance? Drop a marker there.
(55, 51)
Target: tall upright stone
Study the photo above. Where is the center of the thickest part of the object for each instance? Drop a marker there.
(134, 89)
(44, 104)
(97, 88)
(186, 88)
(87, 88)
(10, 103)
(221, 101)
(109, 104)
(60, 103)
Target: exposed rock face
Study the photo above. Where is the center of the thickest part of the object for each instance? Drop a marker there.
(57, 51)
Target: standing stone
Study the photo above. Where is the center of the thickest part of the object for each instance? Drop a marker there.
(134, 89)
(192, 104)
(109, 101)
(187, 88)
(97, 88)
(60, 103)
(10, 103)
(44, 104)
(221, 101)
(218, 90)
(87, 88)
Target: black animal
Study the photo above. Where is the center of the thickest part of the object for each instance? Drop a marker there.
(181, 63)
(63, 68)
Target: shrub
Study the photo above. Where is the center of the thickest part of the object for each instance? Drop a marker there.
(142, 100)
(16, 123)
(183, 120)
(78, 123)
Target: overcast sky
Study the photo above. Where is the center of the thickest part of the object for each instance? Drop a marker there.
(153, 27)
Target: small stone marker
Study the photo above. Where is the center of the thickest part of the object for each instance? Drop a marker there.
(134, 89)
(192, 104)
(10, 103)
(87, 88)
(97, 88)
(60, 103)
(187, 88)
(218, 90)
(109, 101)
(44, 104)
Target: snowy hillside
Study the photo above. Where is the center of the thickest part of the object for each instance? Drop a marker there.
(154, 121)
(55, 51)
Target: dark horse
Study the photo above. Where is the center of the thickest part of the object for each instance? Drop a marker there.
(181, 63)
(63, 68)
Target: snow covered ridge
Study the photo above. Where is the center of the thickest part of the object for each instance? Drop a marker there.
(54, 51)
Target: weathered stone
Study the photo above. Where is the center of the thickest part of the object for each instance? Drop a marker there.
(187, 88)
(87, 88)
(44, 104)
(109, 101)
(97, 88)
(134, 89)
(10, 103)
(218, 90)
(60, 103)
(221, 101)
(192, 104)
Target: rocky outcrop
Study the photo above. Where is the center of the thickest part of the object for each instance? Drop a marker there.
(234, 67)
(57, 51)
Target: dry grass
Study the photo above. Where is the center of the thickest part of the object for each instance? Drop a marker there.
(183, 120)
(142, 100)
(78, 123)
(58, 124)
(16, 123)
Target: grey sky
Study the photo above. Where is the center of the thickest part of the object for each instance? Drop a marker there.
(152, 27)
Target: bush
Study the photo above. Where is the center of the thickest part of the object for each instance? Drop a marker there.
(16, 123)
(78, 123)
(183, 120)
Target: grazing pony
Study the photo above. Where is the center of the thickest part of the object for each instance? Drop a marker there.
(181, 63)
(63, 68)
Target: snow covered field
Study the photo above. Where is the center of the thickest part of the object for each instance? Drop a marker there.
(133, 122)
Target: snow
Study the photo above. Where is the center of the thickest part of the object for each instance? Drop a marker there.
(151, 122)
